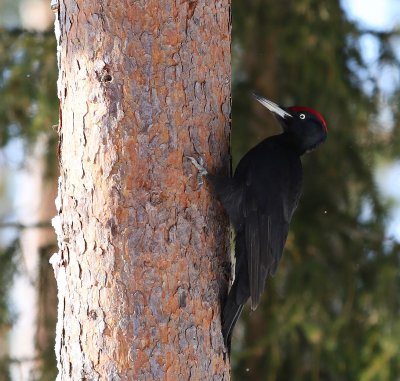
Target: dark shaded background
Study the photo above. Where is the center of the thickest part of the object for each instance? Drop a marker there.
(331, 312)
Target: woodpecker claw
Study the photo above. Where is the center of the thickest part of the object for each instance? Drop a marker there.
(199, 167)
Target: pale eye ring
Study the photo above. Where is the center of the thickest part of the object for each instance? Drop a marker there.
(302, 116)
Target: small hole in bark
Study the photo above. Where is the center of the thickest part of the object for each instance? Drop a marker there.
(92, 315)
(107, 78)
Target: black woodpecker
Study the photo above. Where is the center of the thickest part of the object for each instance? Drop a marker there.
(260, 200)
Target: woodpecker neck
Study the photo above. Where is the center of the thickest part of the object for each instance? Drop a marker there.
(292, 142)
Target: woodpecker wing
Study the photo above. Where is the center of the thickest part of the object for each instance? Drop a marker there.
(271, 189)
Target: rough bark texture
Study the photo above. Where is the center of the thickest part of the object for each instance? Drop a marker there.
(143, 248)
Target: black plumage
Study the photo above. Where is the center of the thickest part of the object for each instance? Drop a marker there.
(260, 200)
(266, 190)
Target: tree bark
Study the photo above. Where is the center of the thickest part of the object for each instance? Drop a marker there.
(143, 249)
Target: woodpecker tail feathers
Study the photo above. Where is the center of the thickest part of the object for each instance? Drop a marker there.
(230, 315)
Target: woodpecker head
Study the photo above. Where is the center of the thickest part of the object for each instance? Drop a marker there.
(304, 127)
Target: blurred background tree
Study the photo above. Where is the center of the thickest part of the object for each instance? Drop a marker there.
(331, 313)
(28, 112)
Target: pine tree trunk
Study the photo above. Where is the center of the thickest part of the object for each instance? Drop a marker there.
(143, 248)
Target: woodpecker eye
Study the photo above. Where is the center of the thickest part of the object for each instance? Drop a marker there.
(302, 116)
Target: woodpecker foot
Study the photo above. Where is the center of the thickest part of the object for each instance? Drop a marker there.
(200, 167)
